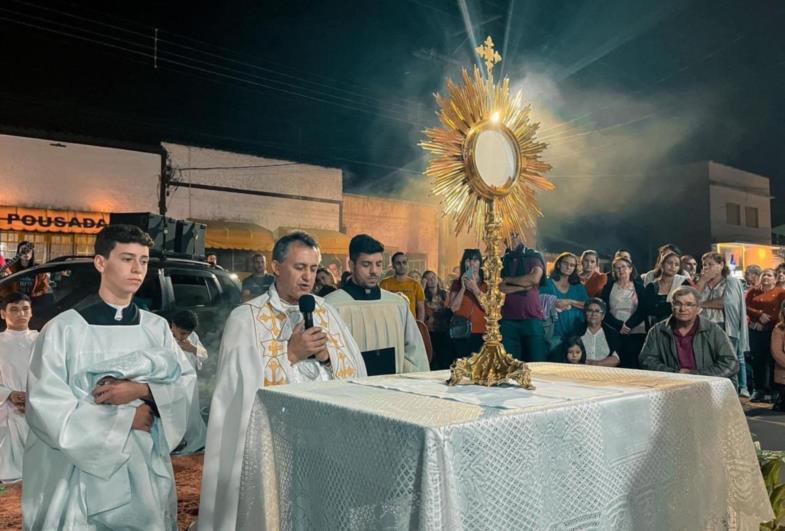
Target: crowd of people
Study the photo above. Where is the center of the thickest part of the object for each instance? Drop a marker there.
(107, 390)
(615, 318)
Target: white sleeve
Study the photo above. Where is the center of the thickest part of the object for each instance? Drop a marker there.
(91, 436)
(201, 351)
(173, 400)
(415, 357)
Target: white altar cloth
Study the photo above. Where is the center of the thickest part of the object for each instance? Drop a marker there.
(590, 448)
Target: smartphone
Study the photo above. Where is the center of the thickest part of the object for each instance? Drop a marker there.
(470, 273)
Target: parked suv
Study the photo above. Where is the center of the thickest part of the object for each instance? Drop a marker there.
(171, 284)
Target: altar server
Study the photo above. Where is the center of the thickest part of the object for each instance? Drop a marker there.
(108, 399)
(184, 325)
(16, 344)
(266, 343)
(379, 320)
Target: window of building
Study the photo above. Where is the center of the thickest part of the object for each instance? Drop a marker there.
(11, 240)
(47, 245)
(84, 244)
(61, 245)
(751, 217)
(733, 211)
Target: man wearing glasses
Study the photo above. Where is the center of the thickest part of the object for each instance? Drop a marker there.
(16, 346)
(687, 342)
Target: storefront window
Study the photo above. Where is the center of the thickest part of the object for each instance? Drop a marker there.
(11, 241)
(48, 245)
(61, 245)
(84, 244)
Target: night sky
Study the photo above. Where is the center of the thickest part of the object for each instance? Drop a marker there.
(621, 87)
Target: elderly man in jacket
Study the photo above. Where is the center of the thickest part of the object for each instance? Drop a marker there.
(688, 342)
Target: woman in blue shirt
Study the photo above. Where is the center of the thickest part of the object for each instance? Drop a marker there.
(565, 284)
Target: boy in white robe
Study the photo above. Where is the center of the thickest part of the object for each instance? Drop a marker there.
(184, 325)
(16, 345)
(108, 396)
(265, 343)
(379, 320)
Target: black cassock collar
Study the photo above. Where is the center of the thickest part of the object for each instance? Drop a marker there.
(359, 293)
(97, 313)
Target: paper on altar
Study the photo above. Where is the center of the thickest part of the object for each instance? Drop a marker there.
(545, 393)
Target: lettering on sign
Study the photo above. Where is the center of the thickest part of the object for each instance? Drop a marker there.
(38, 220)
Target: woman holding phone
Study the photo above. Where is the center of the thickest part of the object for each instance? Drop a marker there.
(464, 301)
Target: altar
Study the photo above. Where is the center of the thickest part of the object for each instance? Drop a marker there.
(588, 448)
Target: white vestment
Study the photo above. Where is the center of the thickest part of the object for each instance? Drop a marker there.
(383, 323)
(254, 355)
(15, 350)
(85, 468)
(196, 431)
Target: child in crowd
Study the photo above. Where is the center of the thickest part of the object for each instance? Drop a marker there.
(183, 326)
(575, 352)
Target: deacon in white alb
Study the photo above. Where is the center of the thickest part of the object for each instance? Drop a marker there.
(108, 398)
(265, 343)
(16, 344)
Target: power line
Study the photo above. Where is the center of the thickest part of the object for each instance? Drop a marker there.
(320, 98)
(146, 46)
(403, 107)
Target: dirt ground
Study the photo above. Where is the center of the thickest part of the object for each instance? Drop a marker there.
(188, 475)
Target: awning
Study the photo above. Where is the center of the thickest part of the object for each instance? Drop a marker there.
(330, 241)
(237, 235)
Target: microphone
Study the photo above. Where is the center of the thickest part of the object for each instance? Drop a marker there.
(307, 305)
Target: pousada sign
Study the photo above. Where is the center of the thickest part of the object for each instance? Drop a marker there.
(44, 220)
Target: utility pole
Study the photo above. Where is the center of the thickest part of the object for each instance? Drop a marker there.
(165, 181)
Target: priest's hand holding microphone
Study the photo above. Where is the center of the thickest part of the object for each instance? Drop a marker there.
(307, 341)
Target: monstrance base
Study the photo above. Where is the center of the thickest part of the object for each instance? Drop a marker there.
(491, 366)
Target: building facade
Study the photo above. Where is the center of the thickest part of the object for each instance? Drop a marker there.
(58, 195)
(740, 204)
(253, 200)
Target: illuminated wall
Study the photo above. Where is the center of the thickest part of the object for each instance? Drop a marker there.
(413, 227)
(400, 225)
(323, 188)
(67, 176)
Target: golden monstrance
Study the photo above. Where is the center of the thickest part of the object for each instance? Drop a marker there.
(485, 166)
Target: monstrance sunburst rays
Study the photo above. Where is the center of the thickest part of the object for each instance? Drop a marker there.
(476, 101)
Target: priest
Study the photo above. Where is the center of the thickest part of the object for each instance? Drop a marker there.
(379, 320)
(265, 342)
(108, 397)
(16, 344)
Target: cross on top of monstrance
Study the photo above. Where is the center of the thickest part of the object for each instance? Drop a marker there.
(486, 52)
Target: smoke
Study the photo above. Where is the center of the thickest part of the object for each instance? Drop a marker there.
(606, 147)
(609, 131)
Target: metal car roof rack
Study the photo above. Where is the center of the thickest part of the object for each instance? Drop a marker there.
(154, 253)
(68, 257)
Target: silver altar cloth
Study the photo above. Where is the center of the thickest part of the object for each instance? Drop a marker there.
(646, 451)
